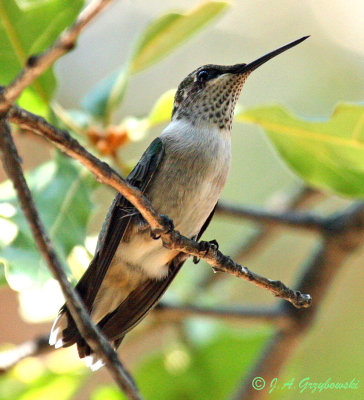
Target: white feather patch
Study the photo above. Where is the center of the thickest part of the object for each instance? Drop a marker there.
(93, 362)
(59, 325)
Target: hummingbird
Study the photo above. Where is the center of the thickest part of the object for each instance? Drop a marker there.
(182, 173)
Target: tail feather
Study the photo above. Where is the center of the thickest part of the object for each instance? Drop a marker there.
(64, 333)
(57, 338)
(92, 360)
(114, 314)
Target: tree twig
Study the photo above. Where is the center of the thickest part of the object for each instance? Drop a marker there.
(173, 240)
(164, 311)
(219, 262)
(287, 200)
(283, 201)
(344, 233)
(37, 64)
(262, 314)
(35, 347)
(89, 332)
(288, 218)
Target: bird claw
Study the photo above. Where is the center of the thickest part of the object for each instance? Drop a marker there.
(154, 235)
(167, 223)
(206, 246)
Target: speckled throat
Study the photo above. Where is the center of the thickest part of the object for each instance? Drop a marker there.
(209, 94)
(212, 101)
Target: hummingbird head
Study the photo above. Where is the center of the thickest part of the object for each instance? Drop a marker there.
(209, 94)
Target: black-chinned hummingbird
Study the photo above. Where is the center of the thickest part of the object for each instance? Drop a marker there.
(182, 173)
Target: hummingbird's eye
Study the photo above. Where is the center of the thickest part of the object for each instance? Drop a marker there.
(203, 76)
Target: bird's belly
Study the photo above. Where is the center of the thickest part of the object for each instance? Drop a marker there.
(142, 254)
(188, 203)
(188, 200)
(196, 206)
(134, 262)
(186, 191)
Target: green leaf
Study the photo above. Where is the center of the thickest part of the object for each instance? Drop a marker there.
(210, 369)
(107, 94)
(328, 154)
(26, 28)
(46, 385)
(61, 189)
(170, 31)
(58, 387)
(2, 276)
(157, 41)
(162, 110)
(107, 393)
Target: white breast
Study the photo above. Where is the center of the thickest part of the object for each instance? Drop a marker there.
(194, 172)
(186, 188)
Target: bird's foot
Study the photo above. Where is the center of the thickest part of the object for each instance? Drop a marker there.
(168, 228)
(206, 246)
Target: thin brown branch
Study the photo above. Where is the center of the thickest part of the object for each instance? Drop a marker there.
(37, 64)
(344, 233)
(284, 201)
(259, 314)
(296, 197)
(90, 333)
(219, 262)
(287, 218)
(288, 200)
(31, 348)
(164, 311)
(173, 239)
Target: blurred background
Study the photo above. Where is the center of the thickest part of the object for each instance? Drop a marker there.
(169, 359)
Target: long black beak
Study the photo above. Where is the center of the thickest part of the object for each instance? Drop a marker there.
(244, 68)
